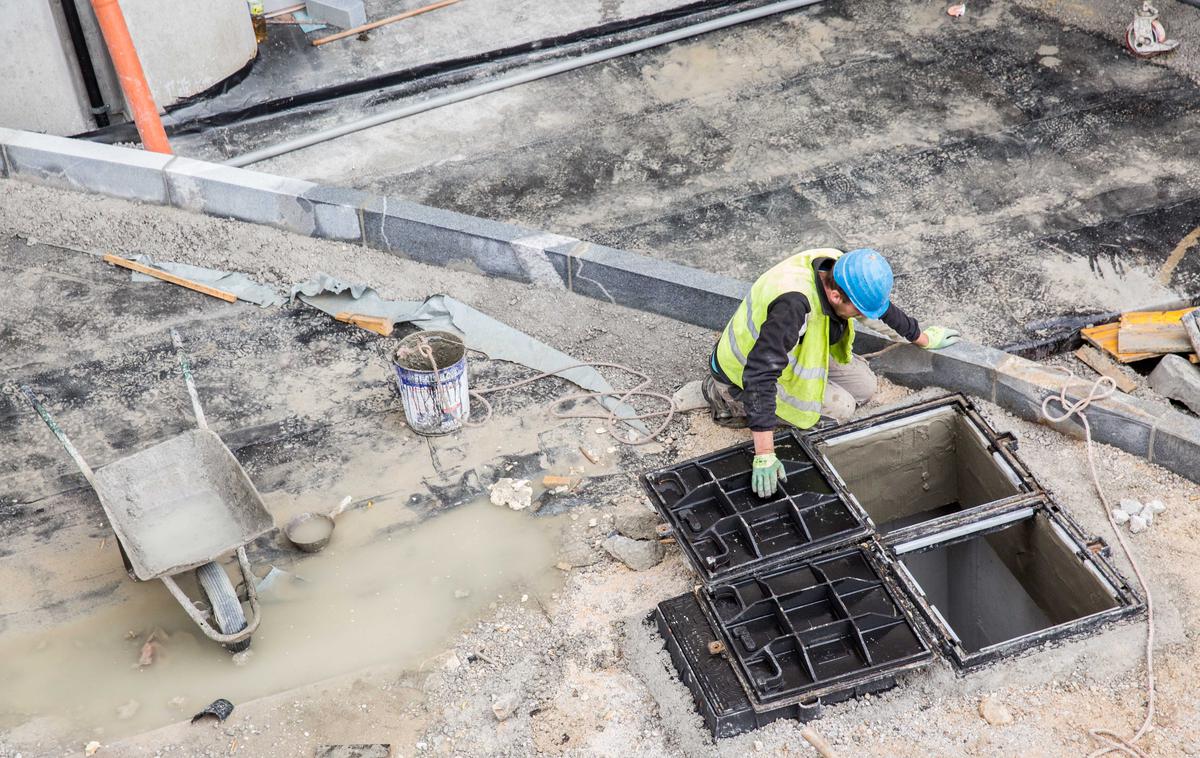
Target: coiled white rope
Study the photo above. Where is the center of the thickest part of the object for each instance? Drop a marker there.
(1104, 387)
(609, 417)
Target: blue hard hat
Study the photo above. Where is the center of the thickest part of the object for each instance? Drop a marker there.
(866, 277)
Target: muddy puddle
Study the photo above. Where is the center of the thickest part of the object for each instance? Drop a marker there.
(382, 592)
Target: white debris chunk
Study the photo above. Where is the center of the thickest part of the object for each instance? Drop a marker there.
(1120, 516)
(1137, 524)
(515, 493)
(1130, 506)
(1157, 506)
(505, 705)
(994, 711)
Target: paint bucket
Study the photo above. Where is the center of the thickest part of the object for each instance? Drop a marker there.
(434, 392)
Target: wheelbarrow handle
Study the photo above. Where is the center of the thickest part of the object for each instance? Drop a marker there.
(213, 634)
(187, 379)
(85, 469)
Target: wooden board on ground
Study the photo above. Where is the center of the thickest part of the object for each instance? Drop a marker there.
(117, 260)
(1155, 317)
(1153, 338)
(377, 324)
(1103, 366)
(1154, 332)
(1104, 337)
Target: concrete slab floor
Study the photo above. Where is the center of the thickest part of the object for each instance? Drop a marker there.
(304, 402)
(1014, 167)
(289, 66)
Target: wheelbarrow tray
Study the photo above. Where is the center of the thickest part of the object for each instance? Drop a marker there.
(180, 504)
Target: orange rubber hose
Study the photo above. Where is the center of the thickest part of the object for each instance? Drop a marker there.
(129, 72)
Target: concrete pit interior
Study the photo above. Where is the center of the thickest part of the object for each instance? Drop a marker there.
(991, 587)
(920, 467)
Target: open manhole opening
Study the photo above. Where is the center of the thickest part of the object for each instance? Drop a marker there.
(921, 466)
(1003, 588)
(970, 558)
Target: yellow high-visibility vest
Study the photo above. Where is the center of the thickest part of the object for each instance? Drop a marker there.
(800, 390)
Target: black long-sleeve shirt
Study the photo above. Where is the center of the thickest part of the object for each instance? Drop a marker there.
(787, 318)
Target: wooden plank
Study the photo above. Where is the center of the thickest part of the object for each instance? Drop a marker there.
(377, 324)
(1154, 317)
(1104, 337)
(179, 280)
(1103, 366)
(1153, 338)
(1191, 324)
(383, 21)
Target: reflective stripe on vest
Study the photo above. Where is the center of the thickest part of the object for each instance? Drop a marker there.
(750, 325)
(800, 390)
(804, 406)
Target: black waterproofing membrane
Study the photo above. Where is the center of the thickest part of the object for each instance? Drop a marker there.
(909, 534)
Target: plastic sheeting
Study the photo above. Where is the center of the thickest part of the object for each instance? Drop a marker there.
(494, 338)
(227, 281)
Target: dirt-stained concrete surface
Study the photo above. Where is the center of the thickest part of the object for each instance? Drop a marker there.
(290, 71)
(1016, 165)
(306, 404)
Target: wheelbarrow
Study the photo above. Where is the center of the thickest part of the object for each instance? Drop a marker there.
(181, 505)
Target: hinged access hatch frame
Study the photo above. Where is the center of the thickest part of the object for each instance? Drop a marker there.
(995, 583)
(956, 548)
(940, 453)
(812, 628)
(726, 531)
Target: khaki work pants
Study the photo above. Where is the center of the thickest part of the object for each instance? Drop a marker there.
(849, 386)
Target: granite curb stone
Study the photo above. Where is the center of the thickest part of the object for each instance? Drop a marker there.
(458, 241)
(78, 165)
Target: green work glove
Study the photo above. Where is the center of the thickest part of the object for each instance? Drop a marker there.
(766, 475)
(940, 337)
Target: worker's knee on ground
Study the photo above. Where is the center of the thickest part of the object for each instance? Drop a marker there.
(865, 387)
(839, 404)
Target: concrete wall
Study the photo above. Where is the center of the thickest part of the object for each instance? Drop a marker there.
(185, 47)
(188, 46)
(40, 86)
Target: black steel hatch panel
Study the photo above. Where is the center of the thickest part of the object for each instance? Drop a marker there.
(804, 630)
(725, 530)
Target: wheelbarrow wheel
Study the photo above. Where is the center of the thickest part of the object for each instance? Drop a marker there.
(226, 608)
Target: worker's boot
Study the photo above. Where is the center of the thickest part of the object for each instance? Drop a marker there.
(726, 410)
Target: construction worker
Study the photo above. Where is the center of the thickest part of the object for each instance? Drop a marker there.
(772, 364)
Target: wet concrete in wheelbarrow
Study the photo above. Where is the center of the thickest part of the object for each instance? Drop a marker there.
(978, 154)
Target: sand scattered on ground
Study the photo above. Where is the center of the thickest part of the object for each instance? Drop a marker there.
(584, 682)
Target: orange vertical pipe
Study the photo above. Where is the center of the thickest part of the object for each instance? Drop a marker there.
(129, 73)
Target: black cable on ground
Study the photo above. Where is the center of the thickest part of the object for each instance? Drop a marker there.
(425, 77)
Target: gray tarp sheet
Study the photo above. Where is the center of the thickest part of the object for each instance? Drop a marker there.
(482, 332)
(227, 281)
